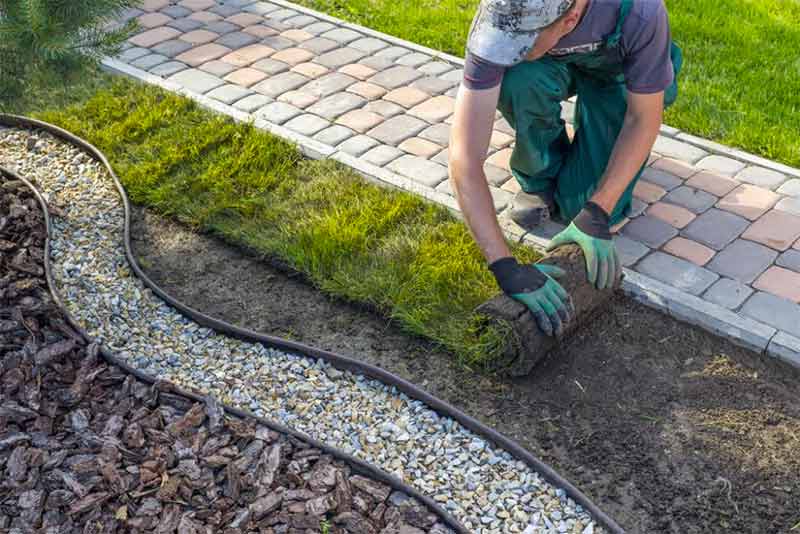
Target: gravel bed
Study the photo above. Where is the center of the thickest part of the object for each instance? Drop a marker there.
(483, 487)
(87, 447)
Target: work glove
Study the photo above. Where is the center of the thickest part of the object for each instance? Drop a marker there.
(534, 286)
(590, 231)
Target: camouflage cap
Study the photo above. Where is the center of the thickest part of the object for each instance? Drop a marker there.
(504, 31)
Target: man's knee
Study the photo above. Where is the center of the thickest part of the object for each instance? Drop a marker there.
(536, 87)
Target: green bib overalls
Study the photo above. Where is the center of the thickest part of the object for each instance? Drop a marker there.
(543, 158)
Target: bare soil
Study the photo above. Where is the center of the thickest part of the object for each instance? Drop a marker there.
(667, 428)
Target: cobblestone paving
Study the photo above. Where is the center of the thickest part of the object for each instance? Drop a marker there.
(715, 223)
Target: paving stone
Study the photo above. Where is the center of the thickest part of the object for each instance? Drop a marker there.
(277, 26)
(413, 60)
(342, 35)
(298, 99)
(681, 169)
(689, 250)
(185, 24)
(283, 14)
(252, 103)
(198, 37)
(649, 230)
(176, 12)
(245, 77)
(616, 228)
(270, 66)
(434, 109)
(715, 228)
(435, 68)
(406, 96)
(420, 147)
(360, 120)
(171, 48)
(629, 251)
(278, 112)
(310, 70)
(155, 36)
(727, 293)
(149, 61)
(743, 260)
(774, 311)
(369, 45)
(224, 10)
(692, 199)
(502, 125)
(206, 17)
(196, 5)
(790, 259)
(637, 208)
(319, 45)
(749, 201)
(378, 64)
(663, 179)
(500, 140)
(648, 192)
(307, 124)
(280, 83)
(500, 198)
(384, 108)
(132, 54)
(501, 158)
(334, 135)
(776, 229)
(397, 129)
(381, 155)
(153, 20)
(299, 21)
(671, 214)
(679, 150)
(393, 52)
(791, 188)
(418, 169)
(439, 134)
(153, 5)
(239, 3)
(789, 205)
(319, 27)
(432, 85)
(395, 77)
(202, 54)
(196, 80)
(496, 176)
(781, 282)
(337, 104)
(229, 93)
(762, 177)
(244, 19)
(513, 187)
(442, 157)
(329, 84)
(277, 42)
(218, 68)
(235, 40)
(261, 8)
(130, 13)
(367, 90)
(221, 27)
(358, 71)
(298, 36)
(677, 273)
(357, 145)
(454, 75)
(169, 68)
(260, 31)
(720, 165)
(712, 183)
(786, 348)
(293, 56)
(339, 57)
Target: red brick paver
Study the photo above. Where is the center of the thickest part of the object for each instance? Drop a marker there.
(671, 214)
(776, 229)
(155, 36)
(712, 183)
(690, 250)
(749, 201)
(648, 192)
(781, 282)
(201, 54)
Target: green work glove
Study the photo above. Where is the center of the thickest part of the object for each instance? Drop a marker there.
(534, 286)
(590, 231)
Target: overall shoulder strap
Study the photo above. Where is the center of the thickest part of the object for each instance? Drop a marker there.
(624, 9)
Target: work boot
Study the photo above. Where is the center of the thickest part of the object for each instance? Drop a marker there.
(529, 210)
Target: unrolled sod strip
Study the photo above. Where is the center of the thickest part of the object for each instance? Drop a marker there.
(482, 486)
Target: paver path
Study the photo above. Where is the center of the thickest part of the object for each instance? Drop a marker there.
(714, 237)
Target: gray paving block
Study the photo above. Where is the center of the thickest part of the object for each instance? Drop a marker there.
(130, 13)
(300, 21)
(791, 188)
(496, 176)
(221, 27)
(413, 59)
(277, 42)
(328, 84)
(502, 125)
(342, 35)
(369, 45)
(629, 251)
(377, 63)
(196, 80)
(637, 208)
(334, 135)
(176, 12)
(307, 124)
(434, 68)
(438, 133)
(276, 25)
(743, 260)
(278, 112)
(384, 108)
(339, 57)
(454, 75)
(395, 77)
(785, 348)
(790, 259)
(672, 148)
(218, 68)
(649, 230)
(168, 69)
(270, 66)
(236, 40)
(665, 180)
(357, 145)
(419, 169)
(283, 14)
(279, 84)
(789, 204)
(229, 93)
(715, 228)
(149, 61)
(225, 10)
(318, 28)
(261, 8)
(692, 199)
(432, 85)
(774, 311)
(239, 3)
(727, 293)
(500, 198)
(393, 52)
(336, 104)
(171, 48)
(720, 165)
(252, 103)
(132, 54)
(185, 25)
(319, 45)
(766, 178)
(397, 129)
(382, 155)
(677, 273)
(443, 157)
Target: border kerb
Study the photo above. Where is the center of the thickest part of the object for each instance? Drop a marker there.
(785, 347)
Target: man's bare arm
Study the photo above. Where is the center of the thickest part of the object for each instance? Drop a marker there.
(469, 141)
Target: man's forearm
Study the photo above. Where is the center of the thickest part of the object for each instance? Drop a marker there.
(475, 200)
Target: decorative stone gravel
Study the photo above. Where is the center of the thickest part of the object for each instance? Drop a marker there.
(485, 488)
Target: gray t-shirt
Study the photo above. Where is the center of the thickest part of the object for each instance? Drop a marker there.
(645, 45)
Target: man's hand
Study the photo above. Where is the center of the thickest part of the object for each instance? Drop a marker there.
(590, 231)
(534, 286)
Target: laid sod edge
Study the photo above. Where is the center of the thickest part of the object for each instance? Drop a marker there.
(391, 251)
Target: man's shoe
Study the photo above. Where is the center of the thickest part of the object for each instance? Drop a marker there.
(529, 210)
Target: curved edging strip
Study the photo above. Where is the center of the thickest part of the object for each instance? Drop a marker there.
(337, 360)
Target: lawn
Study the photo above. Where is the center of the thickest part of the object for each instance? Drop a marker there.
(740, 83)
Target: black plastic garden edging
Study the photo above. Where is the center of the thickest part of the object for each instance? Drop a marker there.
(336, 360)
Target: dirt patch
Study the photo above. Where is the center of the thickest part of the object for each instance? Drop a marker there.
(665, 427)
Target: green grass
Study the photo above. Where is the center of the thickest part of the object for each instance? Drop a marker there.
(740, 84)
(408, 259)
